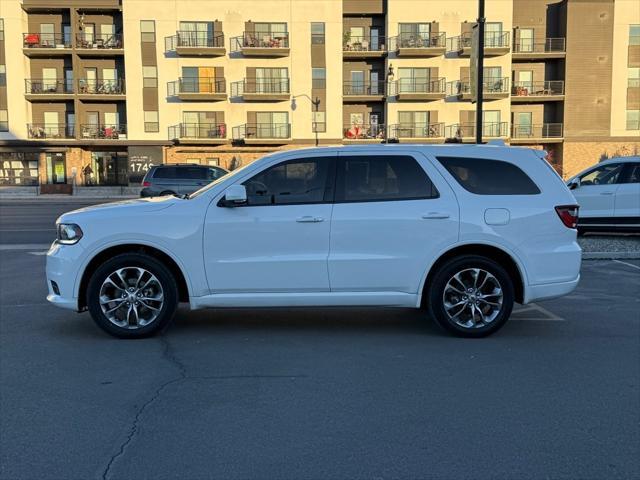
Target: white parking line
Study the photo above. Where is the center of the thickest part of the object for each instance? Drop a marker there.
(545, 315)
(628, 264)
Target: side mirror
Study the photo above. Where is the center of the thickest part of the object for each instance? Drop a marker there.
(235, 195)
(573, 184)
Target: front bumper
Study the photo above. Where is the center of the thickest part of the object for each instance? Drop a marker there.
(63, 262)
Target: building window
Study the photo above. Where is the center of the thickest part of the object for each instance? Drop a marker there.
(18, 168)
(3, 75)
(4, 121)
(319, 77)
(150, 76)
(1, 30)
(634, 34)
(151, 122)
(147, 31)
(213, 161)
(632, 82)
(317, 33)
(319, 122)
(633, 119)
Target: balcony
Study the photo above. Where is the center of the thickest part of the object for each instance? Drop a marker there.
(99, 44)
(545, 133)
(417, 132)
(202, 89)
(418, 45)
(101, 90)
(531, 92)
(364, 133)
(414, 89)
(199, 133)
(495, 44)
(263, 133)
(252, 44)
(493, 89)
(188, 43)
(262, 90)
(48, 90)
(45, 44)
(364, 91)
(466, 132)
(364, 47)
(103, 132)
(50, 131)
(530, 50)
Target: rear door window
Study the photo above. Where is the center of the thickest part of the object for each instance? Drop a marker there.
(489, 177)
(192, 173)
(379, 178)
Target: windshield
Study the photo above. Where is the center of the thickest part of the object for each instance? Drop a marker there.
(214, 183)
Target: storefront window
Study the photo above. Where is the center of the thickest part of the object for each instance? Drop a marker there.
(107, 168)
(56, 168)
(19, 169)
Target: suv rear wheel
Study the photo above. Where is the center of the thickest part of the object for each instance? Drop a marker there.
(471, 296)
(132, 295)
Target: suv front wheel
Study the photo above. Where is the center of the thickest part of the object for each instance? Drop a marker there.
(132, 295)
(470, 296)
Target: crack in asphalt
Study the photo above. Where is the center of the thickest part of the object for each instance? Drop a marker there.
(169, 356)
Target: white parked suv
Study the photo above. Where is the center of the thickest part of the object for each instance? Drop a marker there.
(461, 231)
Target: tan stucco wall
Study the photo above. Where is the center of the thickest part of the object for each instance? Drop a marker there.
(579, 155)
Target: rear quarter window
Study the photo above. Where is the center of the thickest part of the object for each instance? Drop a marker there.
(489, 177)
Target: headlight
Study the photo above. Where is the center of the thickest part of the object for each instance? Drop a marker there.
(68, 233)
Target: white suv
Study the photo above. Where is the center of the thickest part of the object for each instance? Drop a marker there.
(461, 231)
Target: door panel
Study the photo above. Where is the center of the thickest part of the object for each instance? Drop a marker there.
(627, 203)
(596, 194)
(270, 245)
(386, 245)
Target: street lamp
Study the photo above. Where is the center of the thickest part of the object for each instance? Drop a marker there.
(316, 104)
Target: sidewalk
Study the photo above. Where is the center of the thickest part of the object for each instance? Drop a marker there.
(80, 194)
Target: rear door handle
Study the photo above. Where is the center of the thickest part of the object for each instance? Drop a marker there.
(309, 219)
(435, 216)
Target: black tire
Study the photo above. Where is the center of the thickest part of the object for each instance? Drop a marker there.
(152, 265)
(436, 290)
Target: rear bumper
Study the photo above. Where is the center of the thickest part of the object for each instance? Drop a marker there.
(550, 290)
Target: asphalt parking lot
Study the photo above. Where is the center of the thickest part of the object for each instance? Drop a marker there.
(329, 393)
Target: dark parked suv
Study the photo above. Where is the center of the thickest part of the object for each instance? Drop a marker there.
(178, 179)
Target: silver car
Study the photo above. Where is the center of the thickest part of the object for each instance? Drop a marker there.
(178, 179)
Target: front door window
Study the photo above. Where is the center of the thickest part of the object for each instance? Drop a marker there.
(56, 168)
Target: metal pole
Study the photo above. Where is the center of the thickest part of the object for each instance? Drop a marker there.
(480, 72)
(316, 104)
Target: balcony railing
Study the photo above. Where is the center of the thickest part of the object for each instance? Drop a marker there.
(491, 40)
(367, 43)
(364, 132)
(266, 131)
(468, 130)
(416, 85)
(363, 88)
(537, 89)
(266, 85)
(417, 40)
(46, 40)
(260, 40)
(416, 130)
(550, 45)
(101, 87)
(47, 86)
(50, 131)
(99, 40)
(546, 130)
(103, 132)
(198, 131)
(202, 85)
(489, 86)
(185, 38)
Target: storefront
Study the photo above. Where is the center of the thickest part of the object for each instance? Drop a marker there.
(19, 169)
(107, 169)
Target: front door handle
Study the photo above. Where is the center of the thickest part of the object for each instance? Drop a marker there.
(309, 219)
(435, 216)
(606, 193)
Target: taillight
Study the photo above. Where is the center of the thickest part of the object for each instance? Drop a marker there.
(146, 184)
(569, 215)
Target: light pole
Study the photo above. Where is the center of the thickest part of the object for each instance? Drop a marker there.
(316, 104)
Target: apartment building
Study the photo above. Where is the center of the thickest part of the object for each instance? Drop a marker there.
(93, 92)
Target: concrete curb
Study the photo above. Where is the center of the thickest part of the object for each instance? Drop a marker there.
(63, 199)
(610, 255)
